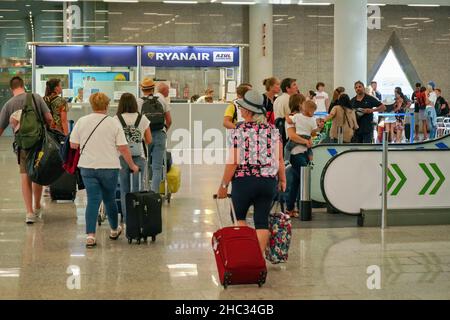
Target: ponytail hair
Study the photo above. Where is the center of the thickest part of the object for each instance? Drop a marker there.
(269, 82)
(50, 86)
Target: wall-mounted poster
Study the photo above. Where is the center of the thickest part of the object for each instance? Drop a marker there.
(229, 73)
(63, 77)
(79, 78)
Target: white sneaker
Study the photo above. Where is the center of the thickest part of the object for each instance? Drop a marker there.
(30, 219)
(38, 213)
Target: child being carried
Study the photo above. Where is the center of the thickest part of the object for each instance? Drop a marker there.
(305, 126)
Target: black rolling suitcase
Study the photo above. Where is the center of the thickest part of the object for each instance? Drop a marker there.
(143, 217)
(65, 188)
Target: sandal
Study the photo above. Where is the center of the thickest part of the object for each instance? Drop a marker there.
(90, 242)
(293, 214)
(114, 235)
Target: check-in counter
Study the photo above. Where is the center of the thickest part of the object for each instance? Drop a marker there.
(194, 125)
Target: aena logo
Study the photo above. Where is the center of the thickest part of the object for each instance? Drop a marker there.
(222, 56)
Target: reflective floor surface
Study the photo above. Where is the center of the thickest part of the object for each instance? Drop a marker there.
(49, 260)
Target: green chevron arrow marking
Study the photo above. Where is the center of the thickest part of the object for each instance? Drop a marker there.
(441, 178)
(430, 179)
(402, 179)
(391, 179)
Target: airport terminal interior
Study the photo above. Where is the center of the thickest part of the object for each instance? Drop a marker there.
(371, 217)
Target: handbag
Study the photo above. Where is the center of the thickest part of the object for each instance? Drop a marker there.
(280, 228)
(70, 156)
(43, 163)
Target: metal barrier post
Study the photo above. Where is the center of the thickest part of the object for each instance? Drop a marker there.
(305, 194)
(384, 166)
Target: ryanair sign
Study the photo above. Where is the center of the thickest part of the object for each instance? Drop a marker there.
(190, 57)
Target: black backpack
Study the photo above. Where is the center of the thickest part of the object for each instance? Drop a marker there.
(154, 111)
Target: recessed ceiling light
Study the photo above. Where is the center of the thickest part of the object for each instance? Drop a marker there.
(180, 2)
(123, 1)
(238, 3)
(314, 4)
(424, 5)
(317, 16)
(415, 18)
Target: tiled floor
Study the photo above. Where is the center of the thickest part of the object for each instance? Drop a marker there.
(325, 263)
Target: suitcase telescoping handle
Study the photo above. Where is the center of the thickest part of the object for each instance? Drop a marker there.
(233, 213)
(140, 180)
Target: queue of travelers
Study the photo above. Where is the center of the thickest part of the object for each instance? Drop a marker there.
(134, 140)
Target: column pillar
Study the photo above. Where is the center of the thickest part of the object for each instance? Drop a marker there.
(261, 44)
(350, 43)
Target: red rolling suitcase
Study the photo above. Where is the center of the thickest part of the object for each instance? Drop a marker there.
(238, 255)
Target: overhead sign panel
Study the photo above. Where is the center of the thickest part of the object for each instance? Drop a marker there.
(190, 57)
(98, 56)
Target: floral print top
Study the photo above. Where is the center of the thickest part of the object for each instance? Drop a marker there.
(258, 149)
(56, 106)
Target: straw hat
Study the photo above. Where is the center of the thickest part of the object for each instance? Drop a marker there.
(147, 83)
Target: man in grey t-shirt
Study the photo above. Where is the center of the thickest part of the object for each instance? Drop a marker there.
(17, 102)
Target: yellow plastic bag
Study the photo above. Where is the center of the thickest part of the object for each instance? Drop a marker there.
(173, 180)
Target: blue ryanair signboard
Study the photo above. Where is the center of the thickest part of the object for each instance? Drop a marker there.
(99, 56)
(190, 56)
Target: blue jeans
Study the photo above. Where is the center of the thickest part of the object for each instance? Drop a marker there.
(100, 185)
(433, 130)
(125, 183)
(156, 152)
(297, 161)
